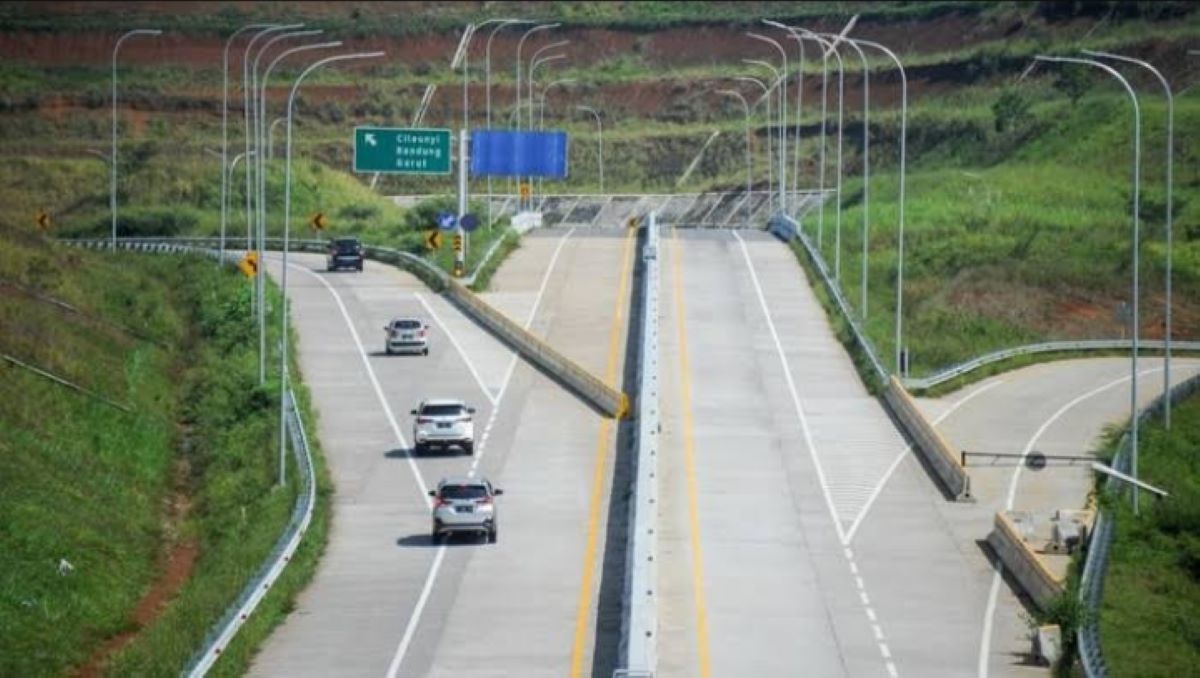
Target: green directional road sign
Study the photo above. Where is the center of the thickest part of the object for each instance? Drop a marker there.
(401, 150)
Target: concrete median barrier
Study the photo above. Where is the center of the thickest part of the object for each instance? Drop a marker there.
(932, 446)
(1025, 565)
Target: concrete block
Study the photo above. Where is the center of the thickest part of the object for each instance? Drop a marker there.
(1047, 644)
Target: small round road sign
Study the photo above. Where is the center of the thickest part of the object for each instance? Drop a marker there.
(469, 222)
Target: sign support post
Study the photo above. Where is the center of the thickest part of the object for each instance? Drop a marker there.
(460, 257)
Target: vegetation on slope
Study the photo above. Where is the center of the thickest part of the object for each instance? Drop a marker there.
(177, 489)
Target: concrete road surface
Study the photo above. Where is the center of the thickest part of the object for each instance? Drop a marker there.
(1058, 408)
(385, 601)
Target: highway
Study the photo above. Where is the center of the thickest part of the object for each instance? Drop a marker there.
(796, 527)
(385, 601)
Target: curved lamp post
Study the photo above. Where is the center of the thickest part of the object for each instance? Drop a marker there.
(1136, 170)
(226, 169)
(248, 102)
(112, 195)
(260, 212)
(542, 119)
(799, 102)
(781, 76)
(488, 92)
(770, 170)
(600, 137)
(903, 150)
(287, 216)
(749, 166)
(1170, 208)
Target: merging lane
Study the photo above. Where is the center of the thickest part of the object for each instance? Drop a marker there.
(385, 600)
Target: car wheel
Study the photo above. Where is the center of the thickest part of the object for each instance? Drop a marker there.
(469, 448)
(425, 351)
(360, 267)
(435, 537)
(387, 350)
(418, 449)
(492, 535)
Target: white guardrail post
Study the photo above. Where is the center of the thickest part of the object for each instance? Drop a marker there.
(639, 642)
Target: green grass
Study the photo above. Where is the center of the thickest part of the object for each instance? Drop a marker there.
(1148, 621)
(83, 481)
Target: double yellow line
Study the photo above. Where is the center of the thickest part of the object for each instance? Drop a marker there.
(603, 447)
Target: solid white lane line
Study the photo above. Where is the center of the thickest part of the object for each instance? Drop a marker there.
(812, 450)
(362, 354)
(414, 619)
(907, 449)
(791, 384)
(998, 569)
(457, 347)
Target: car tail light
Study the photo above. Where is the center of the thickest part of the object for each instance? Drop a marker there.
(439, 502)
(421, 334)
(486, 501)
(424, 420)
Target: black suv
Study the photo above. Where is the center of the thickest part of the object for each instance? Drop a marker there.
(345, 253)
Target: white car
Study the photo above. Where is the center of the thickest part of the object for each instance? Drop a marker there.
(443, 424)
(463, 504)
(406, 335)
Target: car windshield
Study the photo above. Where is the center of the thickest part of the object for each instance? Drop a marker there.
(441, 410)
(407, 325)
(464, 492)
(346, 245)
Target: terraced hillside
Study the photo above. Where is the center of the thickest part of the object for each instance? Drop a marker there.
(1018, 183)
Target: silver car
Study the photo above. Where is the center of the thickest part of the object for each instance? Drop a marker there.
(464, 504)
(444, 424)
(406, 335)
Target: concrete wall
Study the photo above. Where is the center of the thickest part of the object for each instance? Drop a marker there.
(936, 450)
(1026, 566)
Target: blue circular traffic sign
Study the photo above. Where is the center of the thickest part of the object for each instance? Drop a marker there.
(446, 221)
(469, 222)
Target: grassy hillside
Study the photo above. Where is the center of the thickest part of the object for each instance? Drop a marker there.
(1153, 578)
(1017, 188)
(154, 489)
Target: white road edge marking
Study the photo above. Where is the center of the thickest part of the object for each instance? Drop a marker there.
(907, 449)
(787, 374)
(998, 569)
(362, 354)
(414, 620)
(457, 347)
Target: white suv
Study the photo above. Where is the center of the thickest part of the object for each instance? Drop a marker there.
(445, 424)
(463, 504)
(406, 335)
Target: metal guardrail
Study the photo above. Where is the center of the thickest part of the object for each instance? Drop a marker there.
(590, 387)
(1045, 347)
(639, 627)
(235, 616)
(1091, 583)
(835, 291)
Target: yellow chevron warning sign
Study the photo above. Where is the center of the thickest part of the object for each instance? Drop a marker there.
(249, 264)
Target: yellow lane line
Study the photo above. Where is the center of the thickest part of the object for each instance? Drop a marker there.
(689, 453)
(603, 446)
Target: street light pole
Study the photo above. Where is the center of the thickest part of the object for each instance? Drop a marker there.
(782, 117)
(862, 58)
(248, 102)
(260, 114)
(837, 243)
(749, 166)
(799, 109)
(225, 170)
(900, 239)
(488, 93)
(287, 215)
(1170, 208)
(770, 171)
(520, 45)
(600, 137)
(542, 122)
(1136, 170)
(112, 195)
(271, 137)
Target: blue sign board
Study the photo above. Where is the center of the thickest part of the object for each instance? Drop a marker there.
(505, 153)
(446, 221)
